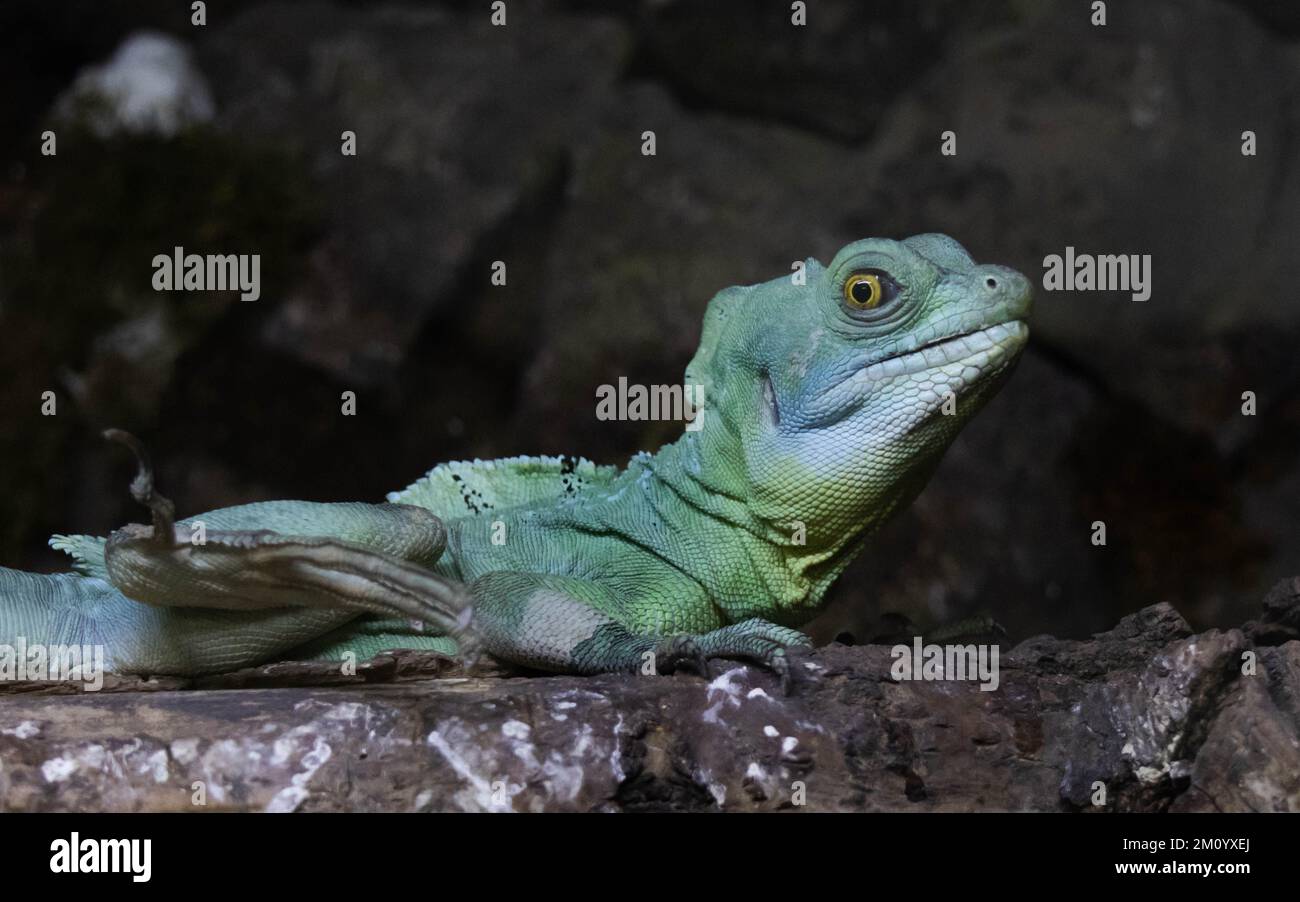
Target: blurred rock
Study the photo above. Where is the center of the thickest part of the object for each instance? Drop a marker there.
(149, 85)
(619, 298)
(1280, 621)
(1282, 16)
(834, 74)
(1248, 759)
(775, 142)
(458, 126)
(1123, 139)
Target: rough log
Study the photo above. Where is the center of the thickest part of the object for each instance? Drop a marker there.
(1163, 718)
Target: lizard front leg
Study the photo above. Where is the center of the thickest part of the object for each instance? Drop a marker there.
(756, 640)
(351, 557)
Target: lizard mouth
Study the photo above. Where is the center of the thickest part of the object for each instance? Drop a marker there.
(981, 347)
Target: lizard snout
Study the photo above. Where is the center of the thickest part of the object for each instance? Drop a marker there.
(1010, 293)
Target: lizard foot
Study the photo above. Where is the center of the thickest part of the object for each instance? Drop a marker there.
(350, 557)
(678, 652)
(758, 641)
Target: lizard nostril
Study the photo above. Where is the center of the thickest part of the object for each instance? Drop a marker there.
(992, 283)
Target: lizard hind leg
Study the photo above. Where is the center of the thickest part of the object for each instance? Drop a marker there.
(569, 625)
(363, 558)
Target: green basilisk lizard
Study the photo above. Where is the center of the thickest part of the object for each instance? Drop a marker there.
(828, 401)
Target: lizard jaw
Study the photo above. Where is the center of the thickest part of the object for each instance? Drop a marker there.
(990, 343)
(958, 361)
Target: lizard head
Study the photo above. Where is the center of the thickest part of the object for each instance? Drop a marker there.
(836, 390)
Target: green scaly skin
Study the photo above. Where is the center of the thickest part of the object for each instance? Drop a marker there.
(822, 418)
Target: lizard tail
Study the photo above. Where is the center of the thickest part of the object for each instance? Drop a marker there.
(50, 609)
(68, 610)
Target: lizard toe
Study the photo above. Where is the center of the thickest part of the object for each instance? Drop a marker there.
(683, 652)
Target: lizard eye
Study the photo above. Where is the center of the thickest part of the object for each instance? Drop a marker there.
(868, 289)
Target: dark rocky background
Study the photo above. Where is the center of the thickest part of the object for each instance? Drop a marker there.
(775, 143)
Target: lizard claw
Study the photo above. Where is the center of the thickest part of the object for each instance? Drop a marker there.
(790, 669)
(683, 651)
(779, 663)
(469, 643)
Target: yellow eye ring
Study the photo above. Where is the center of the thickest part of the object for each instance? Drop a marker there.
(863, 290)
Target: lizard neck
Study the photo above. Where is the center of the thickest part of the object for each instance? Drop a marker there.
(708, 473)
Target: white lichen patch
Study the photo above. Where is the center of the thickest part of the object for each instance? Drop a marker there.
(573, 696)
(221, 761)
(487, 789)
(562, 706)
(184, 751)
(298, 754)
(155, 765)
(564, 774)
(290, 797)
(516, 729)
(1156, 716)
(56, 770)
(309, 746)
(723, 692)
(91, 757)
(704, 777)
(765, 782)
(615, 754)
(25, 730)
(554, 771)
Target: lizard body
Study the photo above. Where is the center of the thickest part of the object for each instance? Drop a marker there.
(828, 403)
